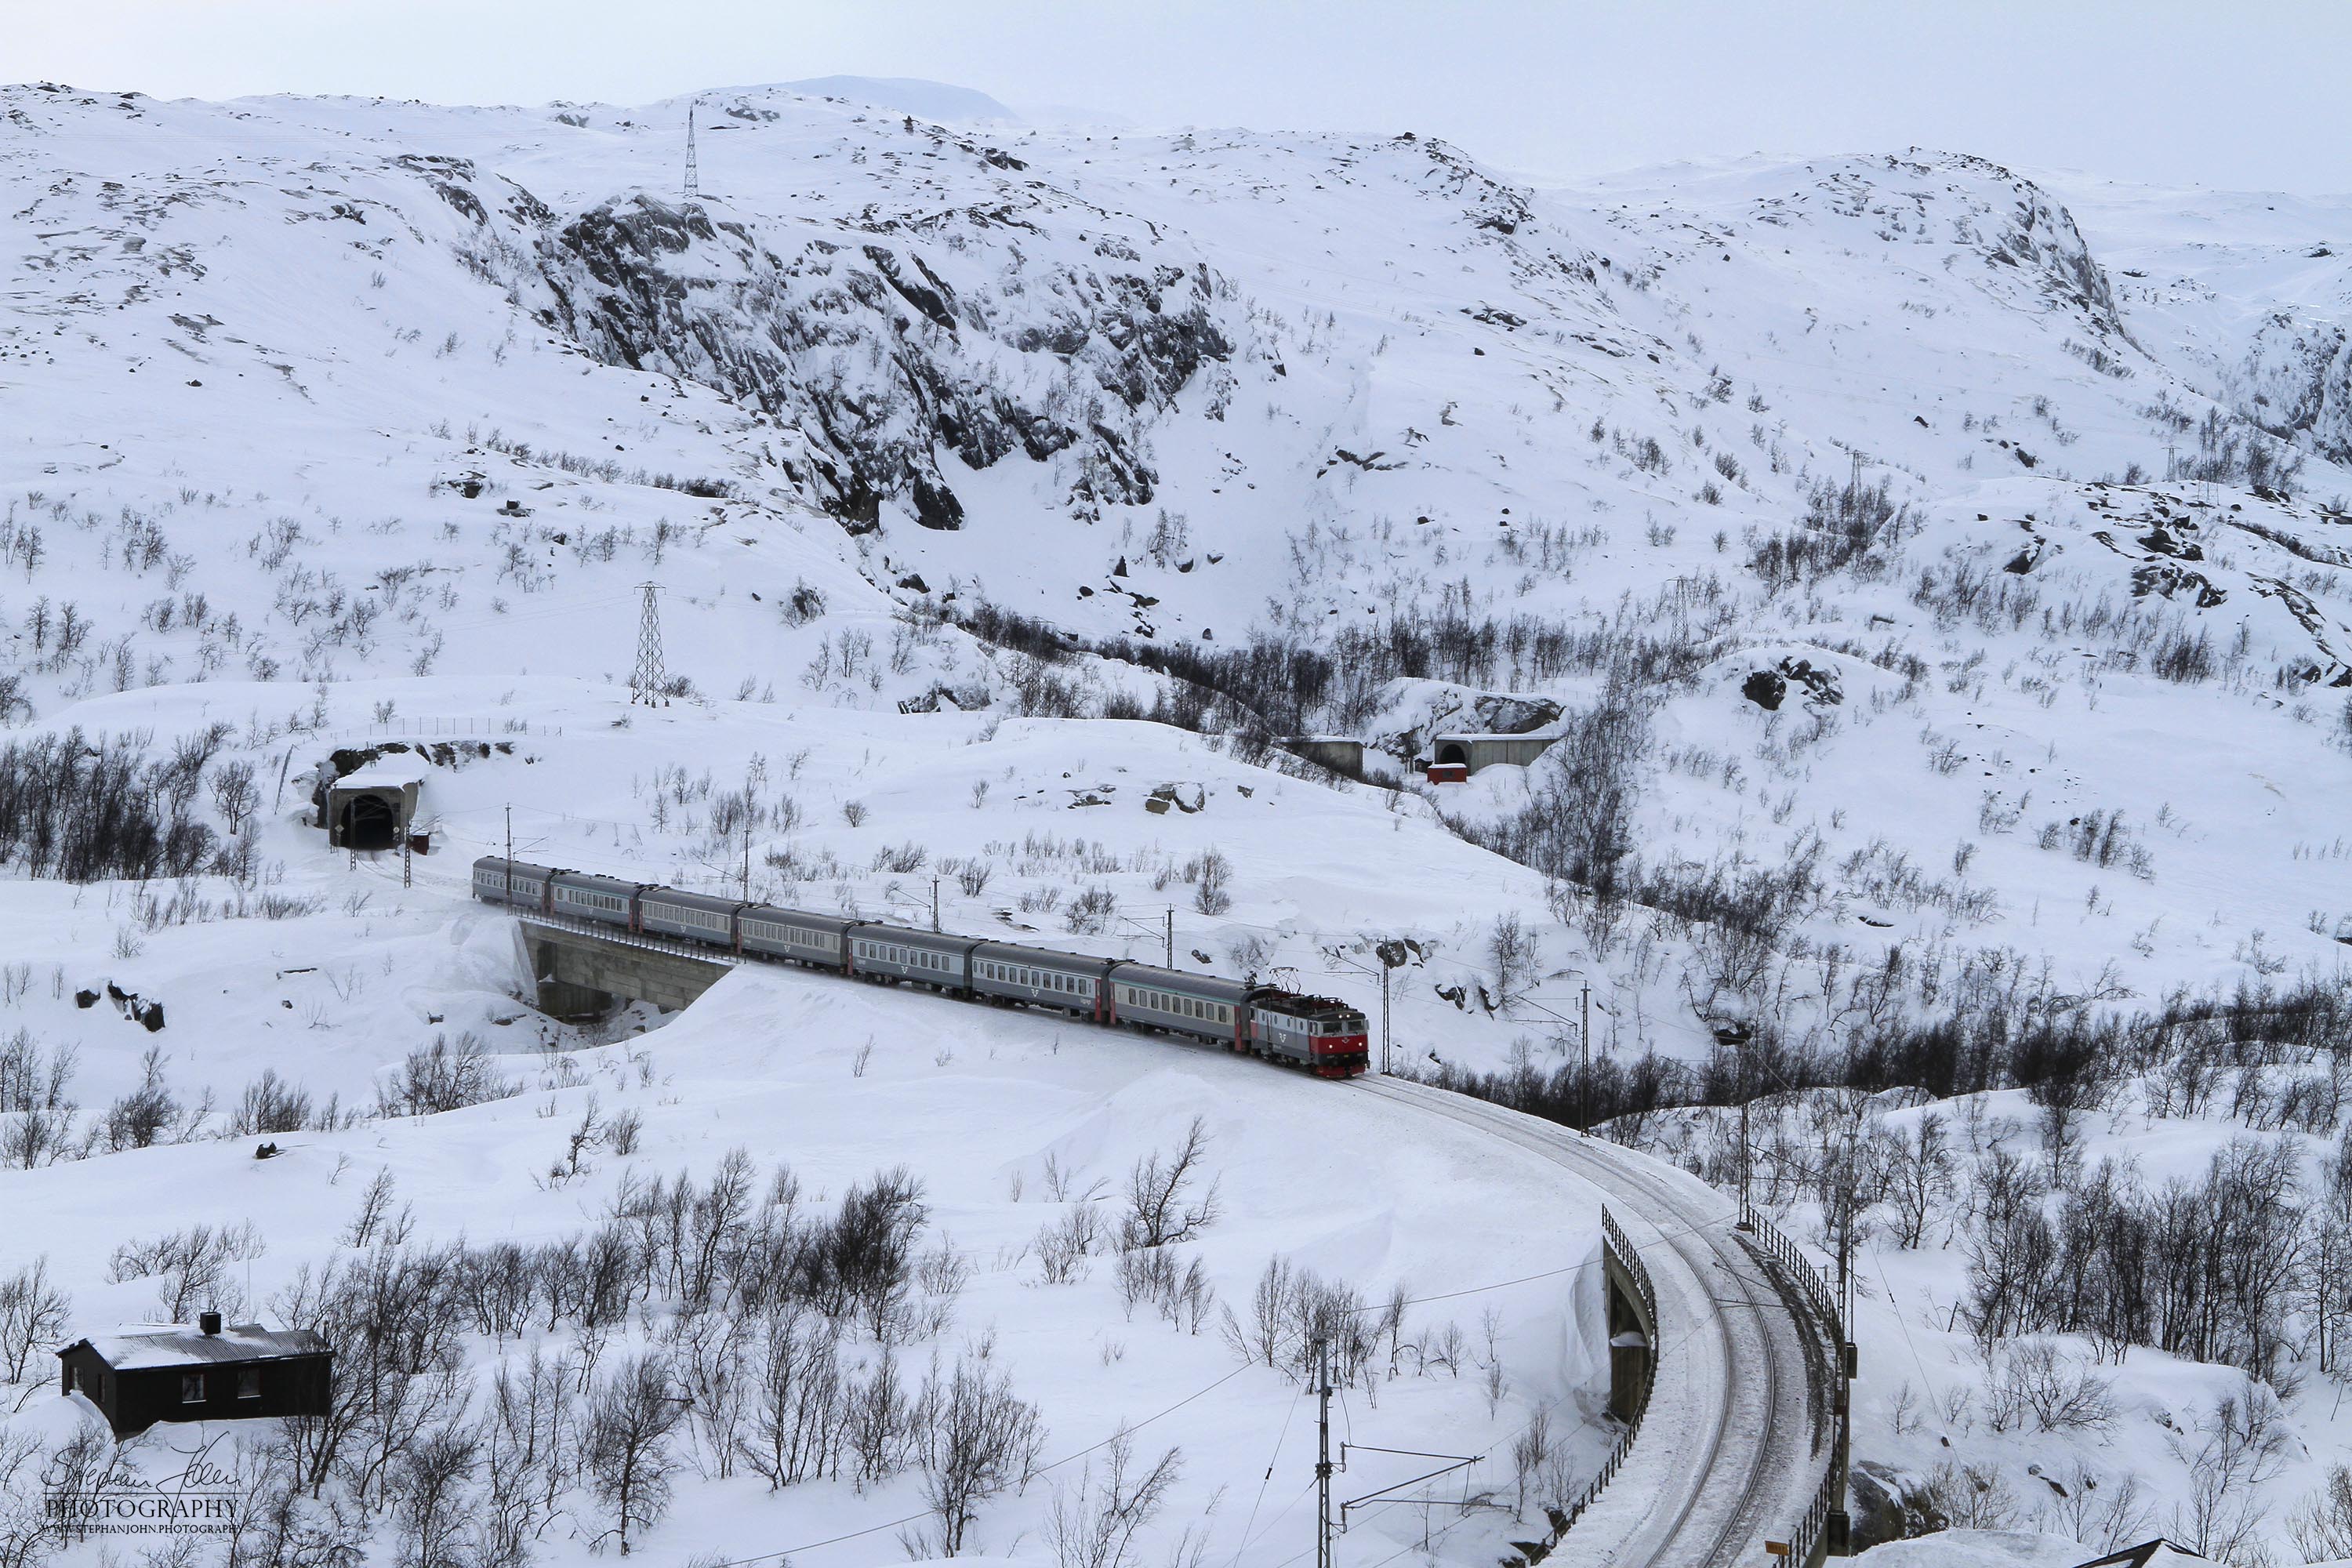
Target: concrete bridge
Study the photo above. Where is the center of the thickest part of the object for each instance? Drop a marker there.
(584, 973)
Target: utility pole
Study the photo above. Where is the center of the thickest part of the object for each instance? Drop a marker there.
(693, 183)
(1742, 1091)
(510, 855)
(747, 858)
(1323, 1454)
(646, 685)
(1391, 956)
(407, 850)
(1584, 1046)
(1584, 1062)
(1167, 943)
(935, 903)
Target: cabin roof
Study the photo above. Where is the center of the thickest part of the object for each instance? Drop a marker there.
(129, 1350)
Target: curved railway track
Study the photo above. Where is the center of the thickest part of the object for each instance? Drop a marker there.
(1737, 1428)
(1726, 1458)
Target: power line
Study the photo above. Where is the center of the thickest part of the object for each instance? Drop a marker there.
(1268, 1479)
(1057, 1464)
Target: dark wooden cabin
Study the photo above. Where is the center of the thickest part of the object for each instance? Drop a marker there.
(138, 1377)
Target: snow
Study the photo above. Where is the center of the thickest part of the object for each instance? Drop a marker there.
(1979, 1548)
(187, 1345)
(384, 775)
(256, 353)
(911, 95)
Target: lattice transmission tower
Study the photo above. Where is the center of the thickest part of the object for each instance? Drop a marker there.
(693, 179)
(646, 686)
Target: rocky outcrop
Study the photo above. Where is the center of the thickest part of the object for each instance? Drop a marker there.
(886, 366)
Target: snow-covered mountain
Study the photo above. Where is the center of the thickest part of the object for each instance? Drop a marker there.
(1940, 582)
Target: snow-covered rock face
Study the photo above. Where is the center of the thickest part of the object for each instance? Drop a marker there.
(863, 343)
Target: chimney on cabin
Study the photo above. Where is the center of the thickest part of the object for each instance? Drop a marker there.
(208, 1321)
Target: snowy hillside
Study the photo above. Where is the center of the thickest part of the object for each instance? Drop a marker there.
(1941, 587)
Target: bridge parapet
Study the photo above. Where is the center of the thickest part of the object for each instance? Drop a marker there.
(1825, 1529)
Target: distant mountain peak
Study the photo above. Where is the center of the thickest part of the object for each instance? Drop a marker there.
(909, 95)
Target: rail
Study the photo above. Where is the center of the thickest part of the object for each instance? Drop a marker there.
(1813, 1535)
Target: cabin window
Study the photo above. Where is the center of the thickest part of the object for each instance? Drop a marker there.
(248, 1382)
(192, 1388)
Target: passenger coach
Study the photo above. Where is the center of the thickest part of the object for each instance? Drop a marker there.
(821, 941)
(1069, 982)
(1204, 1006)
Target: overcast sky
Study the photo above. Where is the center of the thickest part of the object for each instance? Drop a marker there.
(2247, 95)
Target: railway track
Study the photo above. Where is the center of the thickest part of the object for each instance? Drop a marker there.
(1731, 1448)
(1736, 1432)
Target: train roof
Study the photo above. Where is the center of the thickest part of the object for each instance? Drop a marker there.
(1276, 1000)
(1130, 973)
(519, 868)
(601, 882)
(1093, 962)
(915, 936)
(695, 901)
(834, 924)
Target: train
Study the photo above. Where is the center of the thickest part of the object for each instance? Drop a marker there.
(1319, 1034)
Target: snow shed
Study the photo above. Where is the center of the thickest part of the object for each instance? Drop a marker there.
(1469, 753)
(1340, 753)
(371, 808)
(138, 1377)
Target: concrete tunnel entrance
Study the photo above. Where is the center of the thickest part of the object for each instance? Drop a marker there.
(1450, 755)
(369, 823)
